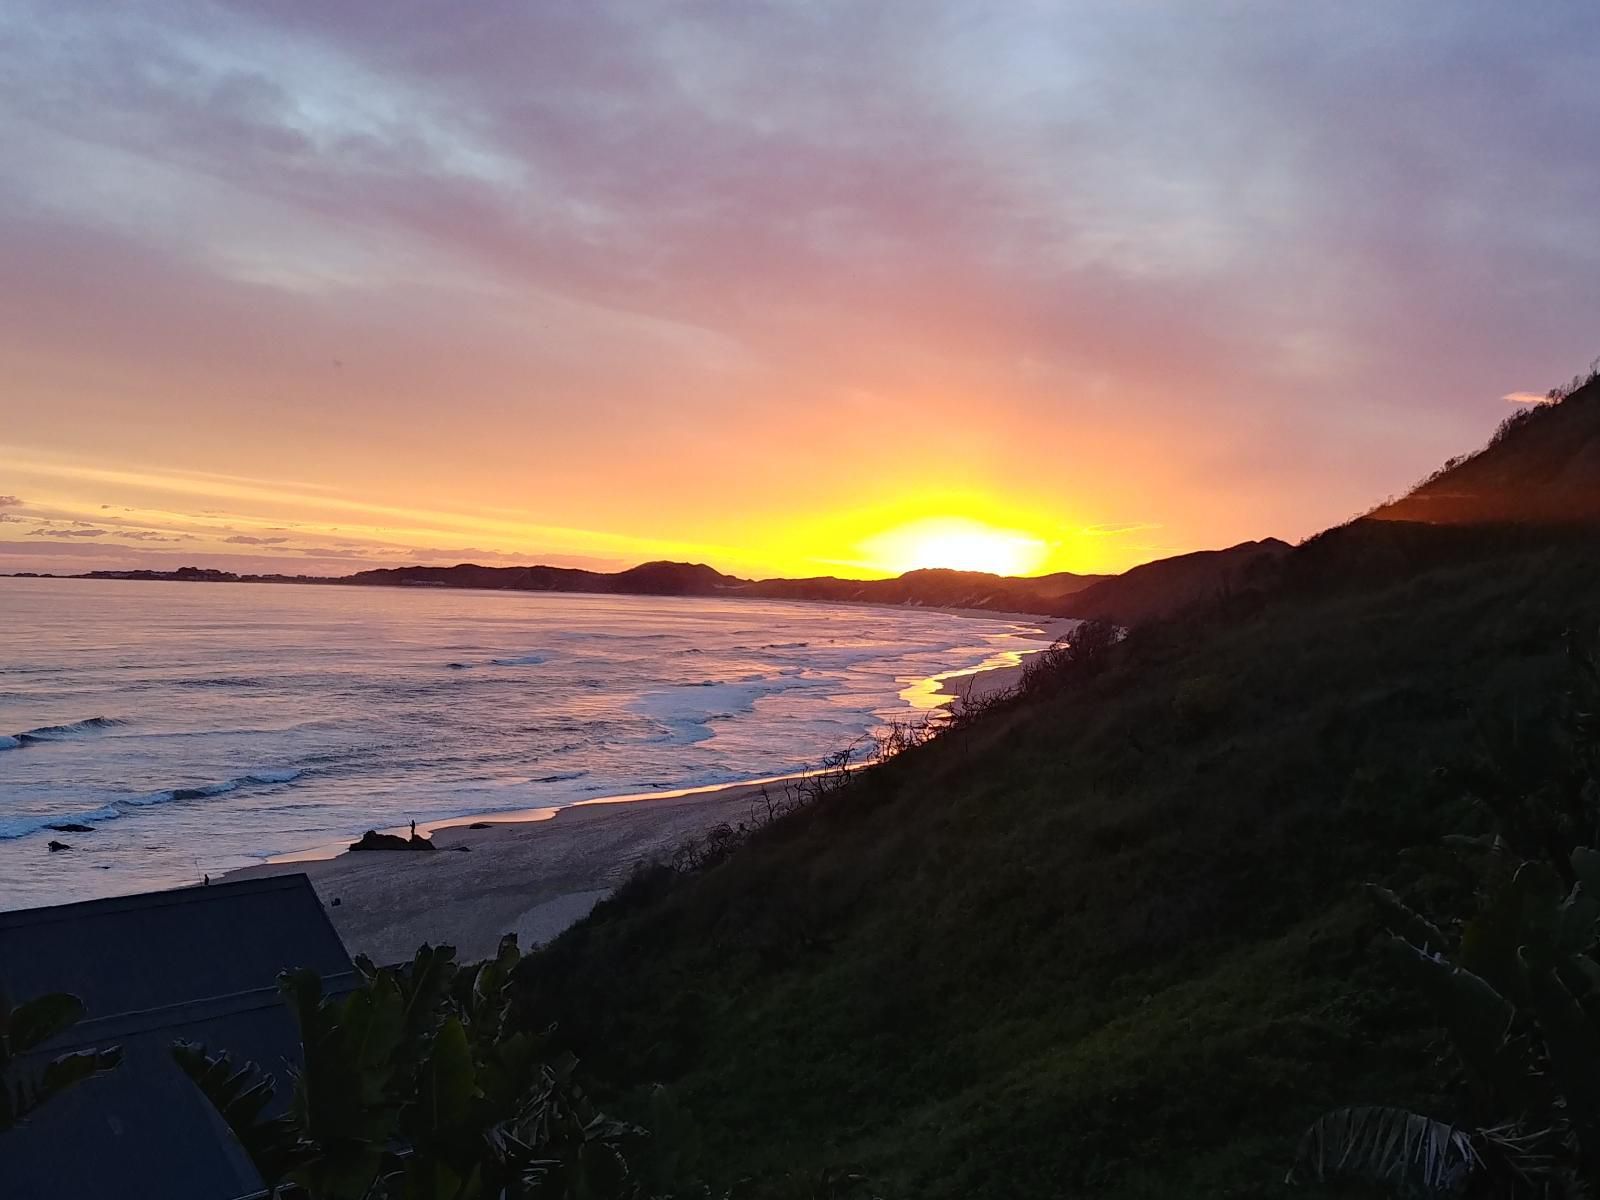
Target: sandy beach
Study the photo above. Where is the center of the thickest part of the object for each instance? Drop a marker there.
(532, 876)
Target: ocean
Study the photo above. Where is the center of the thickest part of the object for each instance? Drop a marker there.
(195, 728)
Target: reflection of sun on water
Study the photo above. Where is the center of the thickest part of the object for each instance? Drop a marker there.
(959, 543)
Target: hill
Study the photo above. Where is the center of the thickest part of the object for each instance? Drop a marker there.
(935, 587)
(647, 579)
(1148, 592)
(1170, 585)
(1108, 943)
(1155, 589)
(1542, 467)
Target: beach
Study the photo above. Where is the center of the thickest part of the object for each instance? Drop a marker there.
(532, 877)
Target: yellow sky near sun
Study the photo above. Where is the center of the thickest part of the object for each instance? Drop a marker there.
(255, 523)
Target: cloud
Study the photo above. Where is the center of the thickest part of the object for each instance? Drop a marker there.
(144, 535)
(1526, 398)
(10, 502)
(625, 228)
(244, 539)
(47, 531)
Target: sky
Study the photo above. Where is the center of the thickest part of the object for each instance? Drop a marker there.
(790, 288)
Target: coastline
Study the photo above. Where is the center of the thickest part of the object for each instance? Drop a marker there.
(536, 871)
(533, 875)
(978, 683)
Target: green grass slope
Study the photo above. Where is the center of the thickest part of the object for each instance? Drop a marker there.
(1111, 944)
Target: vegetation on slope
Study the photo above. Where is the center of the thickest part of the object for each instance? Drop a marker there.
(1107, 943)
(1513, 980)
(1169, 585)
(1543, 464)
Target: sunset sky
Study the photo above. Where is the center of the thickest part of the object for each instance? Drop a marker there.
(309, 287)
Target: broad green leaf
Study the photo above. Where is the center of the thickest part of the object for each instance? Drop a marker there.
(1477, 1017)
(1405, 921)
(1573, 1044)
(1586, 866)
(446, 1085)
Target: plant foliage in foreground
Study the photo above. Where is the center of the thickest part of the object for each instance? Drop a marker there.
(414, 1085)
(26, 1027)
(1515, 984)
(421, 1083)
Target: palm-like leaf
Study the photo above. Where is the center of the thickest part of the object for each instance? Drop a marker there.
(1391, 1147)
(30, 1025)
(36, 1021)
(240, 1096)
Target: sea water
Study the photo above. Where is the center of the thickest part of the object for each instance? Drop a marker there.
(195, 728)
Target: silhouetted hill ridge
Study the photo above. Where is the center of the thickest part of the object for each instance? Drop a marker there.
(1542, 466)
(1169, 585)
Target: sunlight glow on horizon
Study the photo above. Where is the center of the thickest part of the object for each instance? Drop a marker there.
(63, 516)
(764, 287)
(957, 543)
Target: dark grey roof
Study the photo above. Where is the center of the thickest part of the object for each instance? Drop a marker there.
(196, 964)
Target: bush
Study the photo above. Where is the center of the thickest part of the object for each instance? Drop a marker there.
(1072, 658)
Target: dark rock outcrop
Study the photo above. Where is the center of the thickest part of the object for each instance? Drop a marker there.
(373, 840)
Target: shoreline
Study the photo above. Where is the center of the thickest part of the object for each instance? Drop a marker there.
(535, 815)
(986, 680)
(538, 870)
(936, 687)
(728, 594)
(532, 875)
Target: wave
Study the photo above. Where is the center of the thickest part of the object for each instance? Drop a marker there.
(216, 789)
(59, 733)
(562, 778)
(15, 827)
(687, 711)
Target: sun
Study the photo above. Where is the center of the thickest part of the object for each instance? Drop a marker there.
(959, 543)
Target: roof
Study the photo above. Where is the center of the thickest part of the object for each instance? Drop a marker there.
(194, 964)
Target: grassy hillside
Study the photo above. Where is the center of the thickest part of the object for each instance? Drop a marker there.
(1109, 944)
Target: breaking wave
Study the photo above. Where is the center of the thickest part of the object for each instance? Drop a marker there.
(57, 733)
(15, 827)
